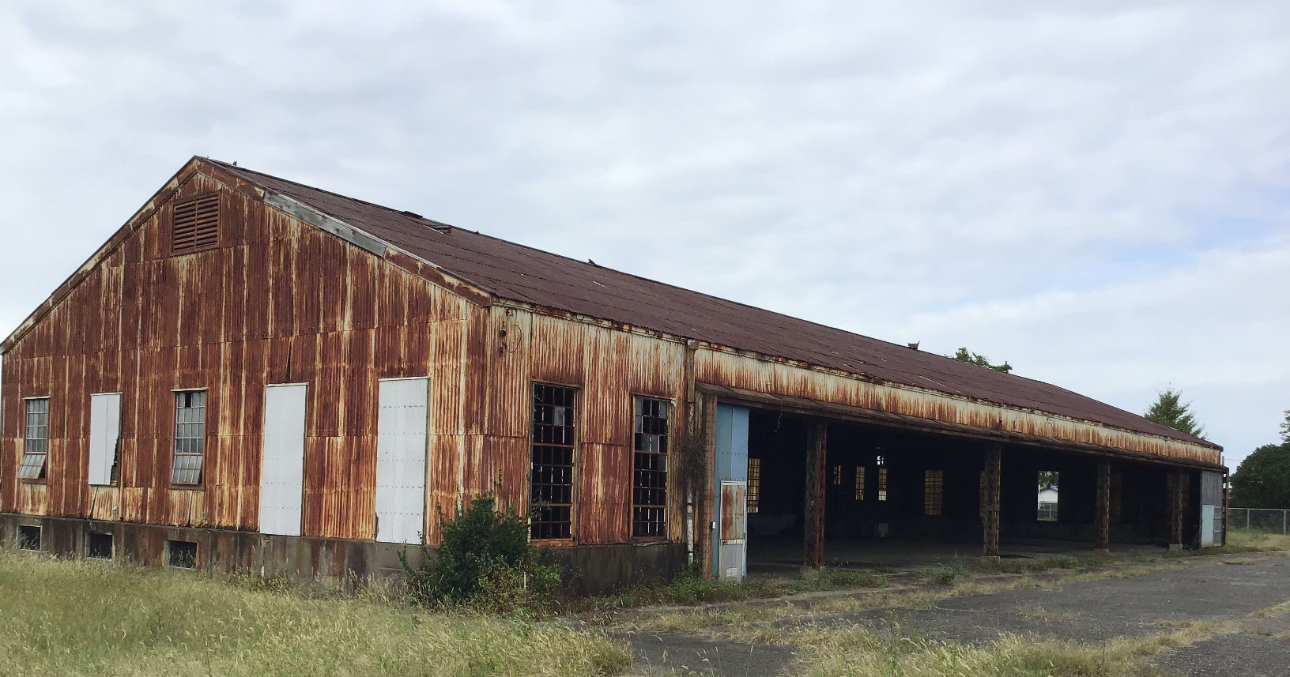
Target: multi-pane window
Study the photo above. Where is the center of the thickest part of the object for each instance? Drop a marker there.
(859, 483)
(36, 442)
(882, 484)
(190, 436)
(837, 475)
(551, 462)
(649, 488)
(754, 483)
(933, 492)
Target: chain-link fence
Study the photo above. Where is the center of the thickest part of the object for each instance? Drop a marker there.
(1258, 519)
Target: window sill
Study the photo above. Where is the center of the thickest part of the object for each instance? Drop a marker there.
(556, 542)
(29, 480)
(186, 252)
(188, 487)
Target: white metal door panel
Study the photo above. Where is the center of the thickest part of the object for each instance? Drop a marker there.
(401, 460)
(1206, 526)
(283, 459)
(105, 429)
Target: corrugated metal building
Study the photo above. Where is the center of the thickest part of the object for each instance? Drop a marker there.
(256, 375)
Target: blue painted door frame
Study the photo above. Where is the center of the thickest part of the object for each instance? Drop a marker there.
(732, 466)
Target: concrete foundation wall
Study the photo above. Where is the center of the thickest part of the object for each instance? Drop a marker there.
(328, 561)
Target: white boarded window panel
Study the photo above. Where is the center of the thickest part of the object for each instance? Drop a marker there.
(283, 464)
(401, 460)
(105, 430)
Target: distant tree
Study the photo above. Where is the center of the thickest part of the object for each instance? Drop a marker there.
(1047, 478)
(1263, 478)
(965, 355)
(1285, 429)
(1169, 410)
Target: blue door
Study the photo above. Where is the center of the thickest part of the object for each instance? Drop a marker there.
(730, 494)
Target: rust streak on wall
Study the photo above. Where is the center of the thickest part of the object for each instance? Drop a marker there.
(746, 373)
(277, 301)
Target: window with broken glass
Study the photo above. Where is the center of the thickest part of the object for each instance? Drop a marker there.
(190, 436)
(551, 460)
(35, 447)
(754, 483)
(649, 488)
(933, 492)
(882, 479)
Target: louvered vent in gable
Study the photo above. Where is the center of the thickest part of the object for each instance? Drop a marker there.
(196, 225)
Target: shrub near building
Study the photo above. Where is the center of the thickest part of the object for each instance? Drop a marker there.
(484, 561)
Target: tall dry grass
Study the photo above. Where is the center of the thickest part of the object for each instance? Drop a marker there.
(90, 618)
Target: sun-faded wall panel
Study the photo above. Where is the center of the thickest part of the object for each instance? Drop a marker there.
(604, 493)
(105, 503)
(656, 367)
(507, 463)
(475, 361)
(32, 498)
(606, 402)
(509, 380)
(557, 347)
(441, 492)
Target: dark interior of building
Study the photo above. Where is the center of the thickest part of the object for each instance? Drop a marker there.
(896, 496)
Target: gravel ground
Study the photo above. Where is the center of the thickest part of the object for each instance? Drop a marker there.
(1092, 611)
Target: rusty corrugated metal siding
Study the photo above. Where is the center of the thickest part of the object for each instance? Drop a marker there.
(277, 301)
(549, 281)
(282, 300)
(765, 376)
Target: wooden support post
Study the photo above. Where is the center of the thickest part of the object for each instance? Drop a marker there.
(816, 445)
(1175, 484)
(706, 499)
(1103, 517)
(993, 472)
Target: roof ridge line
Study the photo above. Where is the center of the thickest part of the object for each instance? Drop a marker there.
(635, 276)
(400, 212)
(421, 220)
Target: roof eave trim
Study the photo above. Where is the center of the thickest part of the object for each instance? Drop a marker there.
(375, 245)
(800, 364)
(802, 405)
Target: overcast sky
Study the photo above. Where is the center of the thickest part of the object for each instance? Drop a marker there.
(1097, 192)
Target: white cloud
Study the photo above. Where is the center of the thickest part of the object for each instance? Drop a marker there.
(1094, 191)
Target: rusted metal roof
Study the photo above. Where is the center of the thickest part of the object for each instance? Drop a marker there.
(519, 273)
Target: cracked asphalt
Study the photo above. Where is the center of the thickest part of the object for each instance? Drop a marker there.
(1203, 589)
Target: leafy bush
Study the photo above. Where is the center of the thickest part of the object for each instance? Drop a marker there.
(485, 560)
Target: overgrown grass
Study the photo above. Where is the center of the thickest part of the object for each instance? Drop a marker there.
(88, 618)
(840, 579)
(1255, 541)
(765, 622)
(689, 588)
(857, 652)
(944, 574)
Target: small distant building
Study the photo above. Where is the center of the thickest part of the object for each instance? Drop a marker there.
(1048, 503)
(255, 375)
